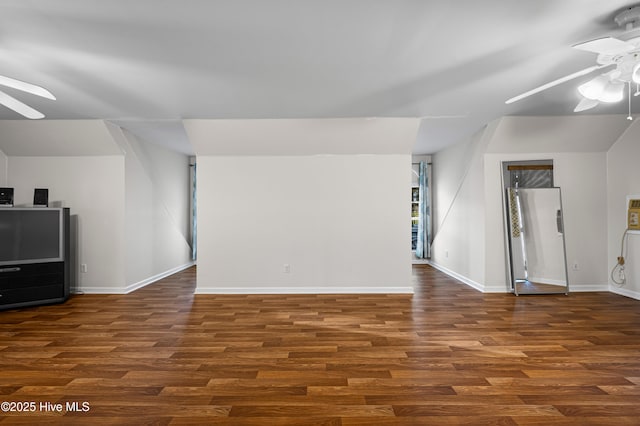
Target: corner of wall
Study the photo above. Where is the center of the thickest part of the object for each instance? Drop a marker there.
(582, 172)
(4, 168)
(623, 179)
(156, 193)
(473, 284)
(117, 134)
(459, 242)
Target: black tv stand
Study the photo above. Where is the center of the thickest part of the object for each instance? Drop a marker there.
(38, 283)
(33, 284)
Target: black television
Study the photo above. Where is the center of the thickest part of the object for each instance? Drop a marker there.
(32, 235)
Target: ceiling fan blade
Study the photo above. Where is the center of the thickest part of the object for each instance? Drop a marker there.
(556, 82)
(26, 87)
(22, 109)
(586, 104)
(606, 45)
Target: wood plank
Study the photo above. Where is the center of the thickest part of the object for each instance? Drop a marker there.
(445, 355)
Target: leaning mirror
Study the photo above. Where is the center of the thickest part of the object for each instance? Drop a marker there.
(534, 230)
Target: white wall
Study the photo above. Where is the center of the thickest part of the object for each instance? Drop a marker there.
(56, 138)
(130, 199)
(340, 221)
(91, 187)
(623, 180)
(459, 232)
(170, 173)
(3, 168)
(575, 133)
(582, 179)
(343, 136)
(577, 146)
(156, 188)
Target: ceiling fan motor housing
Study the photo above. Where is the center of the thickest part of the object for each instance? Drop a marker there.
(628, 18)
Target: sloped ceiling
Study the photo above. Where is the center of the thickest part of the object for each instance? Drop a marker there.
(52, 138)
(302, 136)
(595, 133)
(148, 64)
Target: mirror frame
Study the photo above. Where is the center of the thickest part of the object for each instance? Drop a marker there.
(512, 281)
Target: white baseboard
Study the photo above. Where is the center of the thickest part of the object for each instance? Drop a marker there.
(304, 290)
(461, 278)
(499, 288)
(585, 288)
(157, 277)
(624, 292)
(98, 290)
(131, 287)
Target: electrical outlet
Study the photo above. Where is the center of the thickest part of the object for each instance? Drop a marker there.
(575, 266)
(83, 267)
(286, 268)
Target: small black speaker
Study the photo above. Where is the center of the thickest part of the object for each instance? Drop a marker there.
(41, 197)
(6, 197)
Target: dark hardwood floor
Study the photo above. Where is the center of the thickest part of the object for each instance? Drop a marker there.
(446, 355)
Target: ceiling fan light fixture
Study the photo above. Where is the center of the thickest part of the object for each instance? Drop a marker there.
(635, 74)
(594, 88)
(613, 92)
(586, 104)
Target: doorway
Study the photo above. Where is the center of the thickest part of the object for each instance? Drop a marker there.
(534, 229)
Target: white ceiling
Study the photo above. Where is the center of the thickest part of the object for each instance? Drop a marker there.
(148, 64)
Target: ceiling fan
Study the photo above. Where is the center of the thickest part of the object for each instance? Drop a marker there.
(621, 54)
(19, 107)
